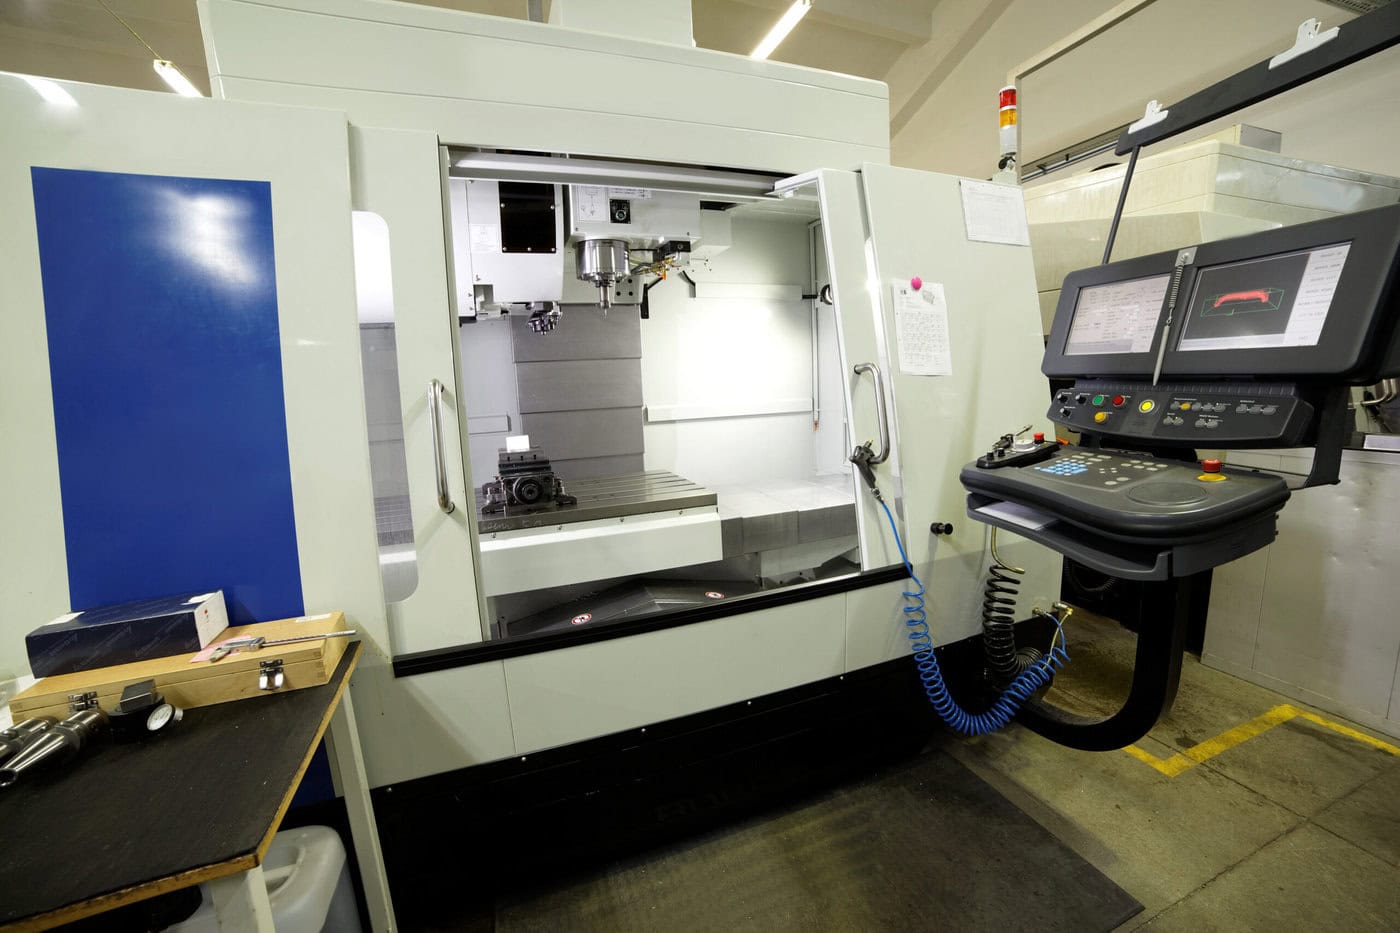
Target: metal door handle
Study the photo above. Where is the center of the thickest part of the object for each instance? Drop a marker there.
(880, 410)
(439, 457)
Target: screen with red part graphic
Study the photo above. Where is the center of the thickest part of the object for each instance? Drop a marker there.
(1273, 301)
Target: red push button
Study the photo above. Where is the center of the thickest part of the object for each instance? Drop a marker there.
(1211, 472)
(1118, 400)
(1039, 437)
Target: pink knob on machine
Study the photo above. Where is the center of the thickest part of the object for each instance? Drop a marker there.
(916, 283)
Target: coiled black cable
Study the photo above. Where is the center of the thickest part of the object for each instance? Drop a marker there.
(999, 616)
(1004, 662)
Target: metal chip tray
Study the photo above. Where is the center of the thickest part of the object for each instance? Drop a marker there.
(604, 497)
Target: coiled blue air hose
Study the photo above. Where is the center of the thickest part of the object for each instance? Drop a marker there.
(1021, 688)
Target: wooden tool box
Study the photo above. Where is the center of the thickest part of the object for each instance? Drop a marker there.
(237, 676)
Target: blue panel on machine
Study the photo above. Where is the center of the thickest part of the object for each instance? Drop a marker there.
(160, 298)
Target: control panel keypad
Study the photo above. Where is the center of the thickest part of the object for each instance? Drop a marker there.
(1064, 468)
(1093, 468)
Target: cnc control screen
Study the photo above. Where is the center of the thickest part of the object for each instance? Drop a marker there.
(1119, 317)
(1273, 301)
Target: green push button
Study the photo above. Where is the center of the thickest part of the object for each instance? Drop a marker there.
(1098, 399)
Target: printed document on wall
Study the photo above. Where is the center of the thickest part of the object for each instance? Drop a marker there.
(994, 213)
(921, 330)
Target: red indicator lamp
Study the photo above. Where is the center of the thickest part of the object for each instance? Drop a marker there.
(1006, 124)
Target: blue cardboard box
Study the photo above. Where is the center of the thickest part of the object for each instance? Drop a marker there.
(120, 634)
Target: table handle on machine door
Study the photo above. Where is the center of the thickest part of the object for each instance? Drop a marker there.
(439, 457)
(880, 411)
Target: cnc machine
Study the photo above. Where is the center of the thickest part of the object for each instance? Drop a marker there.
(368, 276)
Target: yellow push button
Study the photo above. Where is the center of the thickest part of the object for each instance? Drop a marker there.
(1100, 416)
(1146, 406)
(1185, 406)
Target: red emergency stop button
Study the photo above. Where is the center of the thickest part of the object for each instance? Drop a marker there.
(1118, 400)
(1210, 472)
(1039, 437)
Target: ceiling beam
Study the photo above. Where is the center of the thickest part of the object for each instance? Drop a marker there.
(905, 21)
(1074, 40)
(919, 72)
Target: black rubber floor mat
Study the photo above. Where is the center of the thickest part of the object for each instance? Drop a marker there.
(925, 845)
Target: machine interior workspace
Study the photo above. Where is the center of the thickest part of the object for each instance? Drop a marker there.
(667, 354)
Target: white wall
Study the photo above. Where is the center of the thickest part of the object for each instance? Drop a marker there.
(1346, 119)
(1313, 614)
(1167, 51)
(735, 357)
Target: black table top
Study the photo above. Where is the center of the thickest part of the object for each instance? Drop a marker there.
(130, 821)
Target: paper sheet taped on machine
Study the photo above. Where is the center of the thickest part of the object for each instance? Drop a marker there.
(921, 330)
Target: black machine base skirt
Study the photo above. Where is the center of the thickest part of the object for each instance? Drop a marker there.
(832, 808)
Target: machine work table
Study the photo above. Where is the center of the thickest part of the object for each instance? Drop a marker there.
(619, 496)
(199, 803)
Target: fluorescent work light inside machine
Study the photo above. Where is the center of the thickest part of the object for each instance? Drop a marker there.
(781, 28)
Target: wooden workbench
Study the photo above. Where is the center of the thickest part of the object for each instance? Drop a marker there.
(200, 802)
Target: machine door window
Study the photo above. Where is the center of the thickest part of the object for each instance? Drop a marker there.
(393, 516)
(657, 420)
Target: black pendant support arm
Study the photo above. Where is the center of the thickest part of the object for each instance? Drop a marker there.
(1156, 675)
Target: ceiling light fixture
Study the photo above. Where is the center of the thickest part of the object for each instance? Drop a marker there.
(168, 71)
(781, 28)
(174, 77)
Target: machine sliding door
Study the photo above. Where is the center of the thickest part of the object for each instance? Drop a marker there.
(960, 316)
(422, 484)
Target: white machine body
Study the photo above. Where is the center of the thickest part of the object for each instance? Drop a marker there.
(501, 276)
(357, 115)
(641, 216)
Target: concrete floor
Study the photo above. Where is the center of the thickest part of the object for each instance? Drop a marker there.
(1296, 828)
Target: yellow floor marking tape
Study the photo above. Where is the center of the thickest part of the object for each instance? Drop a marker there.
(1184, 761)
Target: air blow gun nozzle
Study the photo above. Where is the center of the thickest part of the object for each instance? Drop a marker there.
(863, 457)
